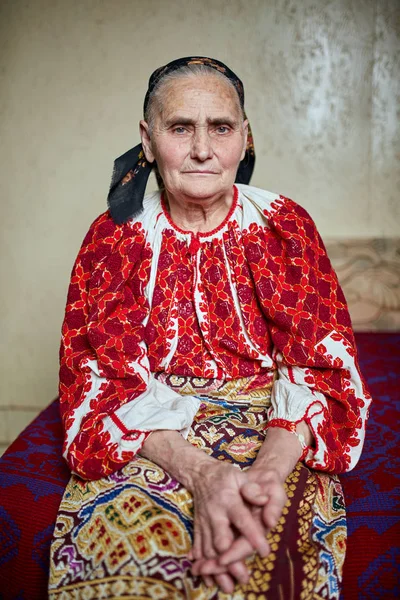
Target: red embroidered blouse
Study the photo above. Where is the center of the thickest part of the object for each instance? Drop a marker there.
(256, 294)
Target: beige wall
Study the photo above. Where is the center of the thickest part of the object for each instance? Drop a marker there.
(322, 82)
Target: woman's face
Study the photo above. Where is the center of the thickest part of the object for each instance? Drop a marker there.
(198, 137)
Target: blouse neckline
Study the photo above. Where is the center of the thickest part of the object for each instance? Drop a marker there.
(202, 234)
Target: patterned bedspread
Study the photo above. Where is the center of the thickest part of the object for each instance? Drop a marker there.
(33, 477)
(372, 494)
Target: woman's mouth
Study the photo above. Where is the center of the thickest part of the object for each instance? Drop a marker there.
(200, 172)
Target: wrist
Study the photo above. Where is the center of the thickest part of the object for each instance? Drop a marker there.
(263, 470)
(183, 461)
(280, 452)
(195, 473)
(300, 429)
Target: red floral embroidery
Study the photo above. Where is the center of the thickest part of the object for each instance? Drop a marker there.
(254, 320)
(103, 323)
(302, 299)
(289, 299)
(173, 313)
(223, 330)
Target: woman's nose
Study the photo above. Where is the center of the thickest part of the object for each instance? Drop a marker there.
(201, 145)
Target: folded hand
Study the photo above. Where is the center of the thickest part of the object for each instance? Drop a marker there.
(233, 512)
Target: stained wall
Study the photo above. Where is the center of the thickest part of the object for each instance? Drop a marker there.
(322, 79)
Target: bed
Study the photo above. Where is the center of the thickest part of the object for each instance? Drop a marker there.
(33, 476)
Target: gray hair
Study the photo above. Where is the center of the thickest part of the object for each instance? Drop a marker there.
(155, 100)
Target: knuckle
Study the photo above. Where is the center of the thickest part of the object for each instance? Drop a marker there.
(222, 543)
(238, 568)
(209, 551)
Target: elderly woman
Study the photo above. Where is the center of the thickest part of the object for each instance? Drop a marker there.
(209, 385)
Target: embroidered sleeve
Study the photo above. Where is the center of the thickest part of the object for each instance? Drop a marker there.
(110, 401)
(319, 378)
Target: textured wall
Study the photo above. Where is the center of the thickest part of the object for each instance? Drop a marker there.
(322, 81)
(369, 272)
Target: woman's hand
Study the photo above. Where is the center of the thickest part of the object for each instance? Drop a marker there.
(221, 514)
(275, 460)
(264, 494)
(221, 510)
(226, 517)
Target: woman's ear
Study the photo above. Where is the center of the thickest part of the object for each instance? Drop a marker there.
(146, 141)
(245, 134)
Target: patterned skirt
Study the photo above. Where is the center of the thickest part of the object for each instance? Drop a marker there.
(128, 535)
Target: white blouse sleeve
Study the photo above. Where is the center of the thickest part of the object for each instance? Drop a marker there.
(159, 407)
(295, 398)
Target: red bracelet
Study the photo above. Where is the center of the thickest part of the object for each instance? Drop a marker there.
(291, 427)
(283, 424)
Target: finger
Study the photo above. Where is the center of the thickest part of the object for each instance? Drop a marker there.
(254, 494)
(240, 550)
(223, 536)
(241, 547)
(197, 567)
(226, 583)
(208, 580)
(197, 550)
(239, 571)
(272, 510)
(211, 567)
(207, 543)
(248, 526)
(271, 515)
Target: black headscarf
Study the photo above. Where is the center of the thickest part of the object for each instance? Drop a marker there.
(132, 170)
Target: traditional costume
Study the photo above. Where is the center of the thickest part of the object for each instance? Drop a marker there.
(218, 335)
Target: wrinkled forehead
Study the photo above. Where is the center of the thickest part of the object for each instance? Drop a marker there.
(192, 95)
(211, 63)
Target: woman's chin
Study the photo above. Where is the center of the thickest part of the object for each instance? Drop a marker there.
(203, 189)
